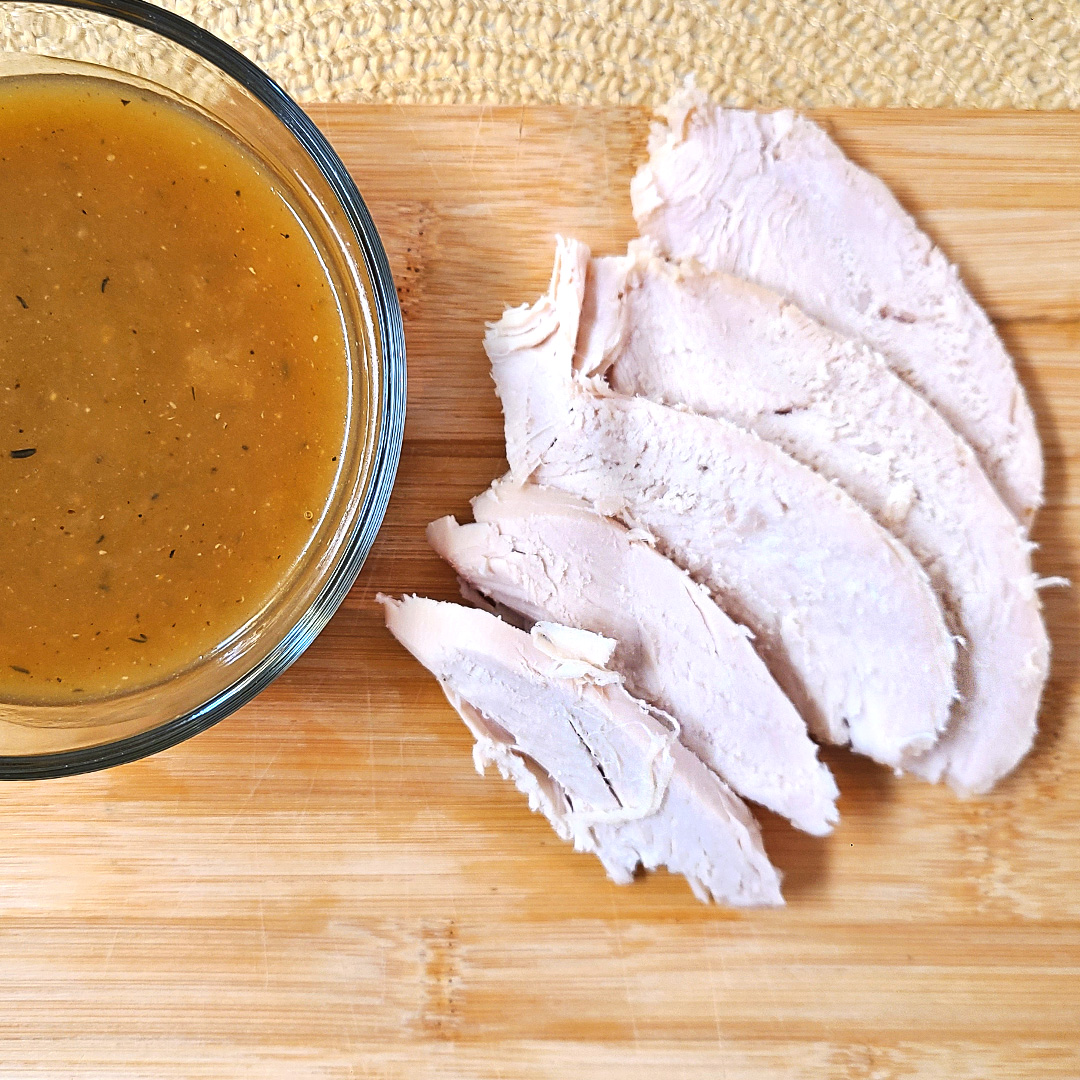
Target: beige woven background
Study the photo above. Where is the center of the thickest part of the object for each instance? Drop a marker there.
(970, 53)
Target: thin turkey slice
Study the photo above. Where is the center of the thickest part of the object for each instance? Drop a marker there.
(727, 348)
(551, 557)
(607, 772)
(770, 198)
(843, 616)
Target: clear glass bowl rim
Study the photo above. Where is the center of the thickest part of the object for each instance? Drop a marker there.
(391, 406)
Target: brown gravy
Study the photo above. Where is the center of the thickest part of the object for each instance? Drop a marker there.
(174, 388)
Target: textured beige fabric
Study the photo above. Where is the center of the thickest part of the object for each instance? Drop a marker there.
(974, 53)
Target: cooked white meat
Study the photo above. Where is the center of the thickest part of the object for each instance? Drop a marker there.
(548, 555)
(607, 772)
(842, 614)
(724, 347)
(770, 198)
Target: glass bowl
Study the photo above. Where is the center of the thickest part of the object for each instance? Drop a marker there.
(133, 43)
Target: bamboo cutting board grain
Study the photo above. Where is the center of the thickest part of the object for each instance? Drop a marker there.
(321, 887)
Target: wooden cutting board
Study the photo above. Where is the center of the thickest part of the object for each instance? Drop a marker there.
(323, 887)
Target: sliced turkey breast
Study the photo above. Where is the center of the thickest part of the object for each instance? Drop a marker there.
(727, 348)
(770, 198)
(608, 773)
(842, 614)
(549, 556)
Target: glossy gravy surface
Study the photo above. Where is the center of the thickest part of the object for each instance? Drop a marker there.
(174, 388)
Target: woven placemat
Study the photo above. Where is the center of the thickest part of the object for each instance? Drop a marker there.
(971, 53)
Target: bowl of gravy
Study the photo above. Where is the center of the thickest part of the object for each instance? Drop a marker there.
(202, 383)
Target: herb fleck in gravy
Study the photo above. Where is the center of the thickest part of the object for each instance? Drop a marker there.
(174, 388)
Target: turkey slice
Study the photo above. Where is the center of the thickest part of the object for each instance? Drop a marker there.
(769, 197)
(548, 555)
(607, 772)
(727, 348)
